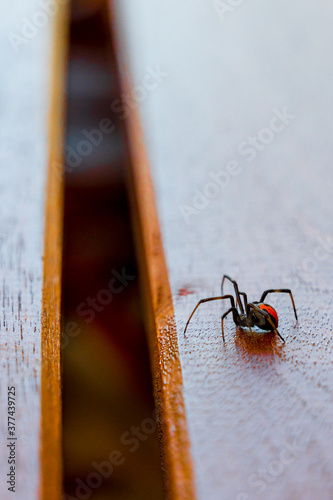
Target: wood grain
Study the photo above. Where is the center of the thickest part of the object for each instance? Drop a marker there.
(31, 129)
(51, 405)
(259, 412)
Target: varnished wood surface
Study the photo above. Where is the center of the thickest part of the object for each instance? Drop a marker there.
(31, 129)
(51, 404)
(259, 412)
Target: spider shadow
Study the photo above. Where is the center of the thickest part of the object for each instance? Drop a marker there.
(258, 343)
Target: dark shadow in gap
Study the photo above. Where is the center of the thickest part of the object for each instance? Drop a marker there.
(110, 438)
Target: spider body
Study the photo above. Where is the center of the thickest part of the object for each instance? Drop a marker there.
(249, 314)
(257, 317)
(264, 322)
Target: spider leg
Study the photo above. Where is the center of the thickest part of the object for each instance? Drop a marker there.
(280, 336)
(232, 309)
(282, 290)
(248, 310)
(239, 302)
(274, 328)
(244, 297)
(209, 300)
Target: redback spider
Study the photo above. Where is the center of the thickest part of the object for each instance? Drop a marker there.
(250, 314)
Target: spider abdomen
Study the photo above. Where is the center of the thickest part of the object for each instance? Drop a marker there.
(272, 313)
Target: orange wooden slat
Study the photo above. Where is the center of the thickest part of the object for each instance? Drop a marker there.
(31, 146)
(51, 405)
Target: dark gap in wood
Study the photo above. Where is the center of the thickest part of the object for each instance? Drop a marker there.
(107, 390)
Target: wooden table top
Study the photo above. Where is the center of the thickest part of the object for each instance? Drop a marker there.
(31, 127)
(236, 123)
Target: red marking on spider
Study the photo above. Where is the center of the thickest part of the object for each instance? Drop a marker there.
(270, 311)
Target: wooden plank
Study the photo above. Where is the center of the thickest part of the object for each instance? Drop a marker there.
(31, 132)
(237, 129)
(161, 327)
